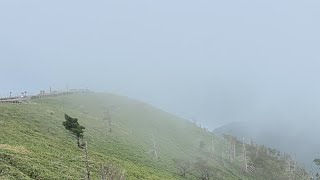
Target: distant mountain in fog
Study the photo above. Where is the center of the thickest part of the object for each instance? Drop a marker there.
(299, 142)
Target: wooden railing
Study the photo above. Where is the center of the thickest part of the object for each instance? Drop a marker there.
(75, 91)
(25, 99)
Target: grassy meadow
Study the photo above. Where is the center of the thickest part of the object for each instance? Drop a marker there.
(35, 145)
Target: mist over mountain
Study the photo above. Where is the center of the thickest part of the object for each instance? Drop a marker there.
(216, 62)
(296, 141)
(255, 63)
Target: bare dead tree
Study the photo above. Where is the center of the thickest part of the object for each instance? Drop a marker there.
(212, 148)
(294, 166)
(183, 166)
(203, 169)
(246, 165)
(311, 170)
(222, 156)
(108, 115)
(110, 171)
(294, 171)
(87, 161)
(257, 147)
(245, 160)
(103, 173)
(108, 118)
(289, 169)
(154, 149)
(232, 146)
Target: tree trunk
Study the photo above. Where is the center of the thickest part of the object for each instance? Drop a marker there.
(78, 141)
(87, 161)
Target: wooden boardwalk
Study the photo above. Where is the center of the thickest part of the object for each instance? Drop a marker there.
(26, 99)
(55, 94)
(16, 100)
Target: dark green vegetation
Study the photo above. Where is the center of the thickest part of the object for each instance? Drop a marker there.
(74, 127)
(145, 142)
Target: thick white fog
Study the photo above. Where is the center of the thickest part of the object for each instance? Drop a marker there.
(212, 61)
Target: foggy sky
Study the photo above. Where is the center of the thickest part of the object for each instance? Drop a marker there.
(213, 61)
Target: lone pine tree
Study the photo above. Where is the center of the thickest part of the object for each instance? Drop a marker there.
(74, 127)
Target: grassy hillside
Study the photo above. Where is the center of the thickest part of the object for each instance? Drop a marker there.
(35, 145)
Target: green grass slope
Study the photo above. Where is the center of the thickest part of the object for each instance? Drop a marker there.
(35, 145)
